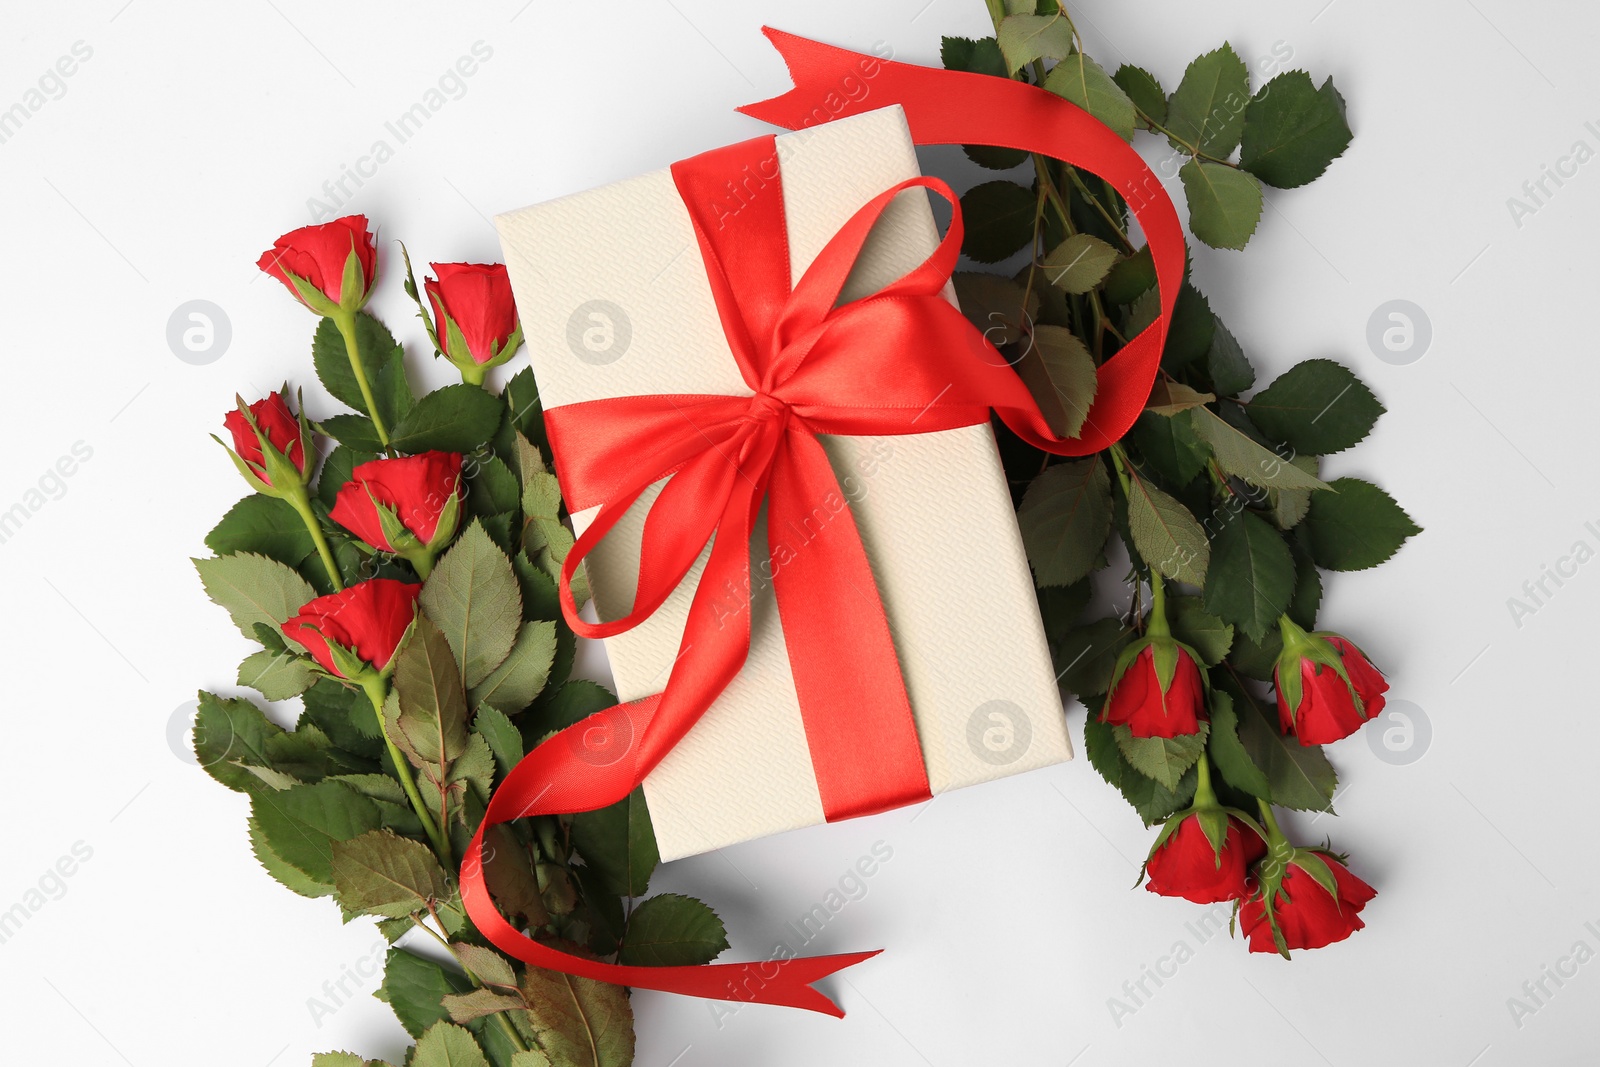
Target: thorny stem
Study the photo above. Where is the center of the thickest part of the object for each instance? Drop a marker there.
(346, 322)
(499, 1016)
(376, 694)
(302, 506)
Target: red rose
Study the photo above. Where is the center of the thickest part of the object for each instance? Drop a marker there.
(367, 620)
(1138, 701)
(1305, 913)
(417, 491)
(277, 424)
(316, 257)
(1315, 704)
(1187, 865)
(477, 298)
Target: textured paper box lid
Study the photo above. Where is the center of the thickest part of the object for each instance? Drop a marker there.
(615, 302)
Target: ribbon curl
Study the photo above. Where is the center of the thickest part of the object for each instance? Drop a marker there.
(899, 361)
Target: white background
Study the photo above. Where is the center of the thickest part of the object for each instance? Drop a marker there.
(194, 135)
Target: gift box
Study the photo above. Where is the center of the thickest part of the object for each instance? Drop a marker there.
(615, 302)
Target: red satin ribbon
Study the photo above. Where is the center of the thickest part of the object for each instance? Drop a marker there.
(900, 361)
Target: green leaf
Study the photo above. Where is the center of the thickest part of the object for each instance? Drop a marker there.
(1316, 407)
(981, 56)
(1298, 776)
(545, 538)
(381, 873)
(447, 1045)
(522, 675)
(1287, 507)
(670, 930)
(1356, 526)
(254, 589)
(1229, 755)
(344, 715)
(1143, 89)
(618, 844)
(265, 526)
(1199, 629)
(336, 471)
(276, 675)
(490, 967)
(230, 735)
(1292, 131)
(473, 597)
(431, 725)
(502, 736)
(1065, 518)
(1252, 575)
(1207, 109)
(1082, 81)
(1025, 38)
(285, 872)
(467, 1007)
(1086, 657)
(1170, 539)
(570, 703)
(1000, 308)
(1079, 263)
(1153, 801)
(1224, 203)
(1060, 373)
(1230, 371)
(1129, 277)
(1164, 759)
(579, 1022)
(301, 823)
(524, 412)
(381, 356)
(353, 431)
(1242, 457)
(999, 220)
(539, 600)
(491, 487)
(457, 418)
(1190, 332)
(414, 987)
(1170, 445)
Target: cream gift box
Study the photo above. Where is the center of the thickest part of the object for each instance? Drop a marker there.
(614, 302)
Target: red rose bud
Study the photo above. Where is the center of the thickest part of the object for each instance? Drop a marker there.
(354, 634)
(1326, 686)
(271, 445)
(1204, 856)
(409, 506)
(474, 318)
(1312, 901)
(1158, 692)
(329, 267)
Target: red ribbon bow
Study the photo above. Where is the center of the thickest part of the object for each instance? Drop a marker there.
(900, 361)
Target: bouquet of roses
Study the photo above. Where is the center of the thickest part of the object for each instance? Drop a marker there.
(403, 587)
(1215, 499)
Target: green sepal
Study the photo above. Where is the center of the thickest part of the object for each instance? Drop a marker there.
(247, 473)
(310, 295)
(416, 295)
(353, 286)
